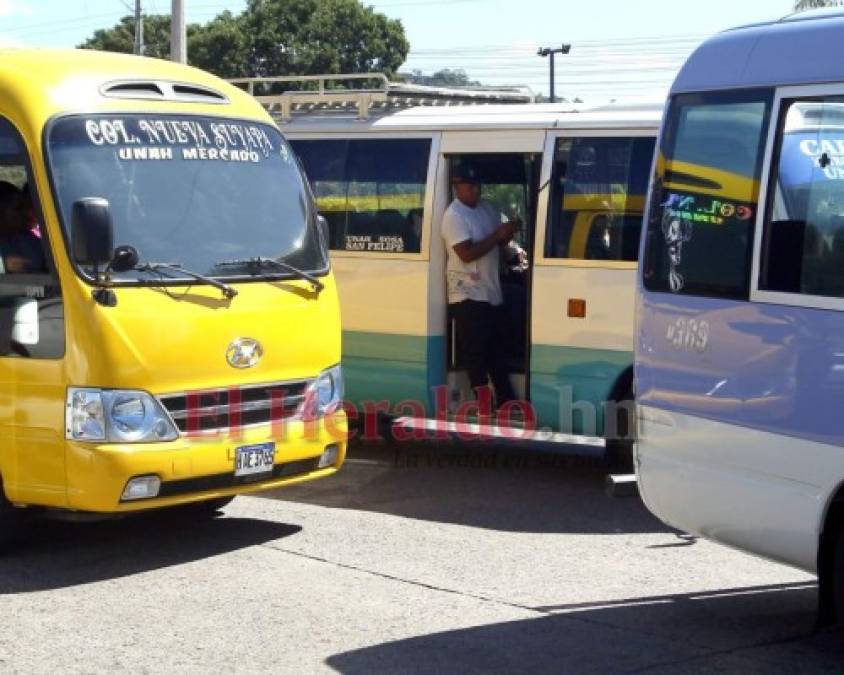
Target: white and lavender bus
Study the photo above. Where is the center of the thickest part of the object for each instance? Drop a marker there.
(740, 330)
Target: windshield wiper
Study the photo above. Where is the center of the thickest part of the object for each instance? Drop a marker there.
(228, 291)
(259, 263)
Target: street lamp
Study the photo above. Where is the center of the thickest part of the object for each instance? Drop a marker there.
(546, 51)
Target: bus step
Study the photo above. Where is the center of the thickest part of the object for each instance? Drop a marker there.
(621, 485)
(495, 431)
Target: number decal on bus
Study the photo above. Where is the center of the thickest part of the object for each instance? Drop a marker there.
(690, 334)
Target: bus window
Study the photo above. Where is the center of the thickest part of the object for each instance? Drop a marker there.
(371, 192)
(324, 163)
(803, 249)
(705, 194)
(598, 197)
(31, 309)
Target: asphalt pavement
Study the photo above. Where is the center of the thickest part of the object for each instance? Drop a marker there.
(425, 558)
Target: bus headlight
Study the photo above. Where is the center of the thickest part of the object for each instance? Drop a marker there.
(324, 395)
(116, 416)
(330, 392)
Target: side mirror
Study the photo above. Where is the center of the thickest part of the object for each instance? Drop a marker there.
(92, 232)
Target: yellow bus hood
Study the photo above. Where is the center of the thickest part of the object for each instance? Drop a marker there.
(176, 339)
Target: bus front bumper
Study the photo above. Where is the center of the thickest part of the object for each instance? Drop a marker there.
(199, 468)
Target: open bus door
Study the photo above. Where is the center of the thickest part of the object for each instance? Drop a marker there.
(510, 182)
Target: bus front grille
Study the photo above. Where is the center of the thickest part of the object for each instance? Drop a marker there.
(211, 410)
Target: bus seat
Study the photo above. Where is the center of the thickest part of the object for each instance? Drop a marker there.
(389, 221)
(786, 240)
(413, 228)
(361, 223)
(833, 270)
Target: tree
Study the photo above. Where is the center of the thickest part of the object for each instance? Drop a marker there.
(802, 5)
(277, 37)
(221, 46)
(442, 78)
(301, 37)
(121, 38)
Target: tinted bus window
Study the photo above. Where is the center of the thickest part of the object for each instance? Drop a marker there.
(705, 194)
(598, 198)
(174, 199)
(372, 192)
(803, 250)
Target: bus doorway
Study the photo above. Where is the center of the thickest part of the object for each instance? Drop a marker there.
(510, 183)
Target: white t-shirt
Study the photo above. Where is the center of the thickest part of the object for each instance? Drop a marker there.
(478, 280)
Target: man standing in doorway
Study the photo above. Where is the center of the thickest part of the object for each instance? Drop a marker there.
(474, 236)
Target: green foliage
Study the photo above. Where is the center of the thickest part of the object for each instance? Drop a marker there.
(442, 78)
(121, 38)
(221, 47)
(276, 37)
(802, 5)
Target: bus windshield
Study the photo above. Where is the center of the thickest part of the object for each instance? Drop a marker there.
(191, 191)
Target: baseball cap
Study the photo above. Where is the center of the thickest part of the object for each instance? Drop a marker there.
(463, 172)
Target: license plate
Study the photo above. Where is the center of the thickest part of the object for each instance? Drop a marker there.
(254, 459)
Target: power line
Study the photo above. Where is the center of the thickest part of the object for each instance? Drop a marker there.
(64, 23)
(576, 45)
(415, 3)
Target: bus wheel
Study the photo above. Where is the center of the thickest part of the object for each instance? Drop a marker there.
(622, 429)
(10, 520)
(831, 574)
(838, 578)
(619, 456)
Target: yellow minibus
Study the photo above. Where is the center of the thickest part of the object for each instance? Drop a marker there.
(169, 325)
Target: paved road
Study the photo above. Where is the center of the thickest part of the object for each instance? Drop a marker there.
(430, 559)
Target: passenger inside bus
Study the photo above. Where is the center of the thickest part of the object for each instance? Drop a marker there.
(488, 333)
(20, 248)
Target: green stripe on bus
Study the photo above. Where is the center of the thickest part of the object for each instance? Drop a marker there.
(365, 345)
(393, 368)
(569, 384)
(396, 368)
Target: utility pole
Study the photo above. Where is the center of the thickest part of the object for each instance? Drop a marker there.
(178, 36)
(139, 29)
(545, 51)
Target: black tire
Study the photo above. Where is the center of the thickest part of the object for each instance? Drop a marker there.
(619, 448)
(10, 523)
(837, 580)
(619, 456)
(831, 572)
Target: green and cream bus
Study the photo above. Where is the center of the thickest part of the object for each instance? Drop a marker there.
(576, 177)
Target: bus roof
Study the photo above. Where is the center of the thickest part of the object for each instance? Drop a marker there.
(637, 114)
(44, 82)
(798, 49)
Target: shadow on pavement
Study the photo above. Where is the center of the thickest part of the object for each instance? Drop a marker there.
(53, 554)
(755, 629)
(482, 484)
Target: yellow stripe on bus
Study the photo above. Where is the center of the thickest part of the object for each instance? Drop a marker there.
(341, 203)
(707, 180)
(617, 202)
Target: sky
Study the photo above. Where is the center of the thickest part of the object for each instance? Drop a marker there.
(627, 46)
